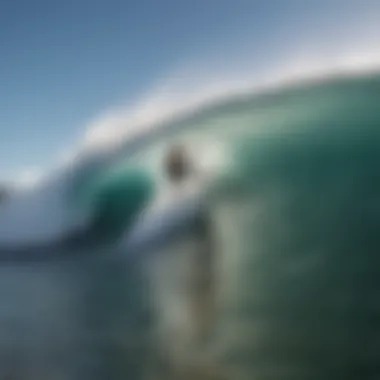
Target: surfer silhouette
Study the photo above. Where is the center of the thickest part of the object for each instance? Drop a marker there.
(181, 170)
(182, 273)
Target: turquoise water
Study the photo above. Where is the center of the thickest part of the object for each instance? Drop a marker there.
(299, 225)
(296, 219)
(294, 210)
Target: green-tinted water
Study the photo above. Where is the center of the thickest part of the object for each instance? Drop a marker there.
(296, 218)
(295, 212)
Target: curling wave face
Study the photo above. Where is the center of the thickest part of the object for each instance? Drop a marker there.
(293, 206)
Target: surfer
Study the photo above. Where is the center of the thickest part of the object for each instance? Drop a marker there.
(182, 273)
(181, 170)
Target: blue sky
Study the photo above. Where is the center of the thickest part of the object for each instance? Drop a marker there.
(62, 63)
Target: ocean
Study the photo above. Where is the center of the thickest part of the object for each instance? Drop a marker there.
(291, 203)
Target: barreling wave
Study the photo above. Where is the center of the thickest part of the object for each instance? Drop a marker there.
(217, 131)
(294, 206)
